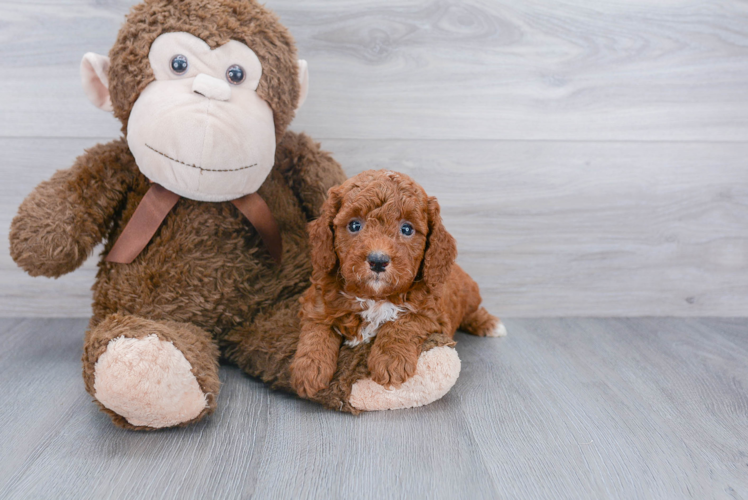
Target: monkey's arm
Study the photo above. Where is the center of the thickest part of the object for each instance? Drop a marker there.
(309, 171)
(60, 222)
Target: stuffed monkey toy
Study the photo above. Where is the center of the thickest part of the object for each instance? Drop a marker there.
(202, 206)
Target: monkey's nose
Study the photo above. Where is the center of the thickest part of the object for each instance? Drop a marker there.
(378, 261)
(211, 87)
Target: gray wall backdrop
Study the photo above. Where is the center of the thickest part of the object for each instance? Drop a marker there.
(590, 157)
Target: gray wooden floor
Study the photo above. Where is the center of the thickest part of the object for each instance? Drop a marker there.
(590, 158)
(561, 408)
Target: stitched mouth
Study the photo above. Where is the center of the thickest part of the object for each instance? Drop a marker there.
(202, 169)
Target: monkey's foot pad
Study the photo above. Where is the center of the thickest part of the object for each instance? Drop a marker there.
(149, 382)
(436, 373)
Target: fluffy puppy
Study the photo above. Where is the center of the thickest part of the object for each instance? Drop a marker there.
(383, 269)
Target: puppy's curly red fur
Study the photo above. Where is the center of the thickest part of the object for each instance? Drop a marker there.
(383, 267)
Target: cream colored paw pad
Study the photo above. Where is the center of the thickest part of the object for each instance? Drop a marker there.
(436, 373)
(149, 382)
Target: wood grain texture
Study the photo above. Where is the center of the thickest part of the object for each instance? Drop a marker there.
(561, 408)
(437, 69)
(546, 228)
(587, 229)
(590, 158)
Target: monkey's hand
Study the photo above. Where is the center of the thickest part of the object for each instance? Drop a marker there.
(62, 220)
(43, 237)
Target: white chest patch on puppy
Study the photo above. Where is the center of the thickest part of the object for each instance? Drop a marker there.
(375, 313)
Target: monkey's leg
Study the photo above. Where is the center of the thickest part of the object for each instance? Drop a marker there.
(436, 372)
(149, 374)
(265, 349)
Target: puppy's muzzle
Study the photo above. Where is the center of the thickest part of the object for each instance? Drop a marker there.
(378, 261)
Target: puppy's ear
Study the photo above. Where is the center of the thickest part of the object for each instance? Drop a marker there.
(441, 249)
(321, 236)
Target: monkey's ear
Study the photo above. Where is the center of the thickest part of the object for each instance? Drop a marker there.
(95, 78)
(304, 81)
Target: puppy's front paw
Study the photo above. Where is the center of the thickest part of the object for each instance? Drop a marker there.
(392, 368)
(310, 375)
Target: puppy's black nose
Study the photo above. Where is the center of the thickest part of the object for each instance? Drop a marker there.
(378, 261)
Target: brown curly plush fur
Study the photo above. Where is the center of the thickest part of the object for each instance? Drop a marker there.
(421, 280)
(205, 282)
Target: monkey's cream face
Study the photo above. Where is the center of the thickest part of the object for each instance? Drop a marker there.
(200, 129)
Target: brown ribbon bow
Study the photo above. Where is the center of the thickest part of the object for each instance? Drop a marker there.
(158, 202)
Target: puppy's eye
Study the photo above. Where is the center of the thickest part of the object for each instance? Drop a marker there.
(407, 229)
(235, 74)
(179, 64)
(355, 226)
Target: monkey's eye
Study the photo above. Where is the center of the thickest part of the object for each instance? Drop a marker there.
(235, 74)
(179, 64)
(355, 226)
(407, 229)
